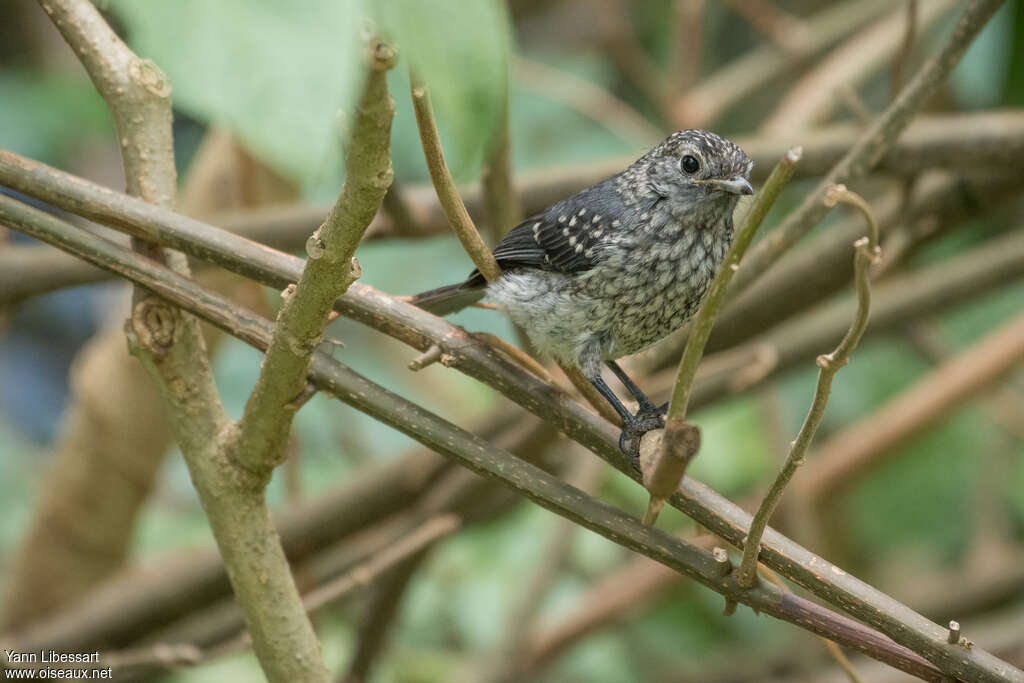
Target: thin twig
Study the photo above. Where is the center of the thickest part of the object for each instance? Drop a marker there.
(501, 202)
(709, 509)
(854, 451)
(444, 185)
(516, 354)
(867, 252)
(705, 318)
(872, 144)
(899, 65)
(678, 444)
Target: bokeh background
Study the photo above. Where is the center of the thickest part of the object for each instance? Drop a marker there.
(274, 83)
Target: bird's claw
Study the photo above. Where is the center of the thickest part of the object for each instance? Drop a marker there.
(646, 420)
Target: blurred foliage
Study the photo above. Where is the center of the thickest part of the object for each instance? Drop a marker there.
(284, 81)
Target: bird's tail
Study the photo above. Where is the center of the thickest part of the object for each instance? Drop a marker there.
(449, 299)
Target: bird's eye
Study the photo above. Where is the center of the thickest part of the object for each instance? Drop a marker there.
(690, 164)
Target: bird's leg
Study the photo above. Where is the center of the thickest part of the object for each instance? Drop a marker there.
(646, 405)
(647, 418)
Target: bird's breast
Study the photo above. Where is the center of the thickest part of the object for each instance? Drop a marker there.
(650, 286)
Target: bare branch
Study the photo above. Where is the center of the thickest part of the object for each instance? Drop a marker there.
(867, 252)
(705, 318)
(444, 185)
(936, 288)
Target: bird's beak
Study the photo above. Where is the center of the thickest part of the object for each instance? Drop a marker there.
(737, 185)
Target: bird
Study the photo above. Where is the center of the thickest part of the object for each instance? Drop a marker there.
(618, 266)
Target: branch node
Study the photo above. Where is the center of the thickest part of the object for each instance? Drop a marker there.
(730, 607)
(308, 392)
(156, 325)
(428, 357)
(723, 565)
(146, 73)
(315, 245)
(953, 637)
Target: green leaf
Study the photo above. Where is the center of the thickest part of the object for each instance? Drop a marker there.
(276, 74)
(460, 50)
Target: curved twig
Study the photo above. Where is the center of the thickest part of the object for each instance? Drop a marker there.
(867, 252)
(444, 185)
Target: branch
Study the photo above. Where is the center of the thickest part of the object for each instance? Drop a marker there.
(854, 451)
(707, 508)
(679, 444)
(263, 429)
(444, 185)
(501, 203)
(705, 319)
(872, 145)
(867, 252)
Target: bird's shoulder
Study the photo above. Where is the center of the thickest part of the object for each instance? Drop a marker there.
(566, 236)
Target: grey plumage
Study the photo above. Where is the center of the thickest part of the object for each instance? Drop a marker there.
(618, 266)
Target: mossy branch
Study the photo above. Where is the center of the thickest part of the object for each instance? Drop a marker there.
(329, 270)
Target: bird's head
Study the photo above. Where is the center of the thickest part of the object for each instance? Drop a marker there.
(695, 170)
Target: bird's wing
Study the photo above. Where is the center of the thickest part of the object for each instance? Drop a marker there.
(564, 237)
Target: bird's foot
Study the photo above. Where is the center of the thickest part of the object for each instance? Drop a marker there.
(647, 419)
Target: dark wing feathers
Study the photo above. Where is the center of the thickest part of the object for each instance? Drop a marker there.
(561, 238)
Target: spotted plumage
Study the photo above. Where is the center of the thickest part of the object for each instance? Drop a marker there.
(621, 264)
